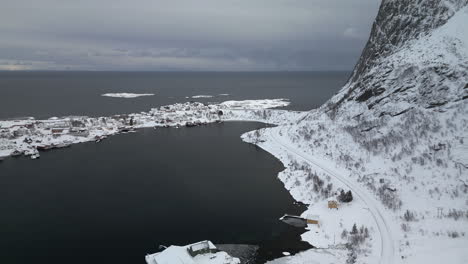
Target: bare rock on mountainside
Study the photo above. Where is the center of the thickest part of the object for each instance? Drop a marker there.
(405, 51)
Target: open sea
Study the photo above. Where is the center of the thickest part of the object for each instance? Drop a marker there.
(116, 201)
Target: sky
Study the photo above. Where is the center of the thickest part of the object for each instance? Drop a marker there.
(198, 35)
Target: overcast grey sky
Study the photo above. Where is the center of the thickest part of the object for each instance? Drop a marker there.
(184, 34)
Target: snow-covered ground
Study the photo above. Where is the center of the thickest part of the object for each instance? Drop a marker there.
(364, 210)
(27, 136)
(180, 255)
(405, 228)
(126, 95)
(202, 96)
(255, 104)
(398, 141)
(315, 256)
(207, 96)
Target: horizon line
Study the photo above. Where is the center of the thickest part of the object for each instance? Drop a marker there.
(187, 71)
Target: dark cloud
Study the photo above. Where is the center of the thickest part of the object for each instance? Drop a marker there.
(184, 34)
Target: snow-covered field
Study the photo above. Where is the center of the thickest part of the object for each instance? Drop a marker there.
(180, 255)
(126, 95)
(364, 211)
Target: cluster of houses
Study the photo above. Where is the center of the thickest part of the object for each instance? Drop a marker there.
(186, 114)
(19, 137)
(27, 136)
(19, 128)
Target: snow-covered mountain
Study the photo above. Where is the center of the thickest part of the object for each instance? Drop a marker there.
(396, 135)
(416, 53)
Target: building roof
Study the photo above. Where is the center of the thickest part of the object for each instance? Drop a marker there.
(171, 255)
(178, 254)
(201, 245)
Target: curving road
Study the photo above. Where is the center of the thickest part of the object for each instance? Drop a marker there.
(387, 243)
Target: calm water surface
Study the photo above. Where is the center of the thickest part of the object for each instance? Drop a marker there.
(115, 201)
(46, 94)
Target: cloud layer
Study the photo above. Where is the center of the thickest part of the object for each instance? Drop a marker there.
(184, 34)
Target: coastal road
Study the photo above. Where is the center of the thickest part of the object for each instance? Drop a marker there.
(378, 212)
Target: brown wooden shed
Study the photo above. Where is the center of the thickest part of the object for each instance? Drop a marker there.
(333, 204)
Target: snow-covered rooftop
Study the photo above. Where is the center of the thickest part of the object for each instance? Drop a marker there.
(180, 255)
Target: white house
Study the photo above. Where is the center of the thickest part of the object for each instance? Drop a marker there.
(203, 252)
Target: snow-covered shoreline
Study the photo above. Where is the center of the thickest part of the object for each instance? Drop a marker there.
(423, 227)
(395, 135)
(330, 247)
(28, 136)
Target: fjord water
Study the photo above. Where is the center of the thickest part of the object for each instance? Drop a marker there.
(115, 201)
(47, 94)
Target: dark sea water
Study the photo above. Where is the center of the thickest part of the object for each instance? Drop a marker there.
(46, 94)
(115, 201)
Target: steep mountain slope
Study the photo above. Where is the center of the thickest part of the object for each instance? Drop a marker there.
(397, 131)
(397, 25)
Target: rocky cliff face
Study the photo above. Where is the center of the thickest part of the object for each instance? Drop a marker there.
(408, 92)
(385, 69)
(400, 21)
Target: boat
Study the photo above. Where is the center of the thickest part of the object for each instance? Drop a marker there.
(16, 153)
(33, 153)
(62, 145)
(294, 220)
(126, 129)
(44, 147)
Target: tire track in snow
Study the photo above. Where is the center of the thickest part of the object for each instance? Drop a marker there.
(387, 247)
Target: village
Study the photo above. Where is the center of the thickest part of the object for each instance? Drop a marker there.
(29, 136)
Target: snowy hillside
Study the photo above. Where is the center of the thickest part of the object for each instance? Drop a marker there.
(396, 135)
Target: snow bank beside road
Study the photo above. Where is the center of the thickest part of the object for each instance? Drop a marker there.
(316, 256)
(328, 237)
